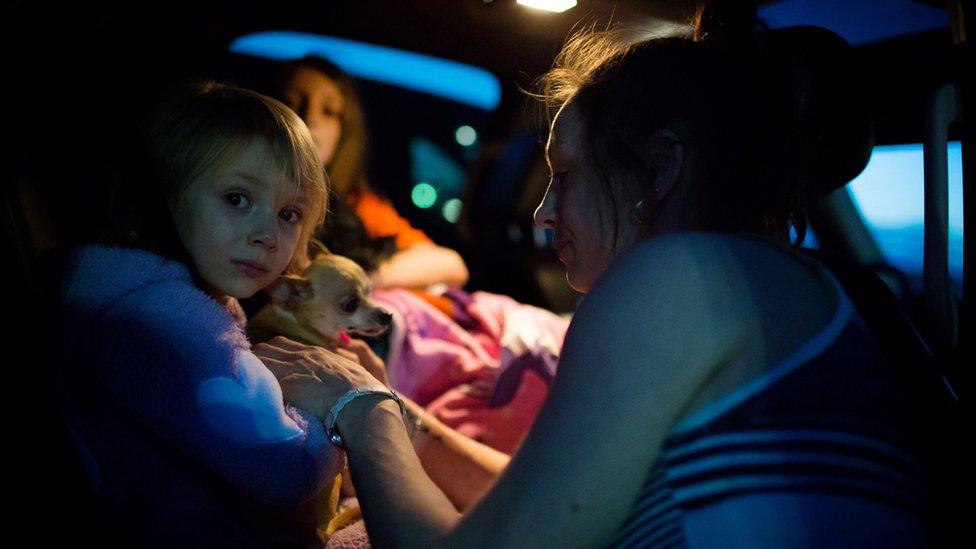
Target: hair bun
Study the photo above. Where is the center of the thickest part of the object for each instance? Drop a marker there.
(726, 21)
(833, 116)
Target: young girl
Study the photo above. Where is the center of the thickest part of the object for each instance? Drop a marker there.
(184, 432)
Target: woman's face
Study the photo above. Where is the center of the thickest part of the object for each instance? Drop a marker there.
(576, 208)
(240, 221)
(318, 100)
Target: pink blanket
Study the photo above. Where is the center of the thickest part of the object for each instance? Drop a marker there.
(484, 370)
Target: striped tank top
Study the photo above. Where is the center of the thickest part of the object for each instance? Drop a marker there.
(814, 452)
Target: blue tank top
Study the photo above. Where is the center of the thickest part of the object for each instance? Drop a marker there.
(814, 452)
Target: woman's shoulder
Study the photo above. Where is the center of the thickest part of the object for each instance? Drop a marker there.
(696, 243)
(690, 259)
(730, 282)
(681, 260)
(666, 289)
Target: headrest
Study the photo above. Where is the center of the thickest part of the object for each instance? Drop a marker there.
(835, 123)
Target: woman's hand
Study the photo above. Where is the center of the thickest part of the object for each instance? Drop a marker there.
(312, 378)
(358, 351)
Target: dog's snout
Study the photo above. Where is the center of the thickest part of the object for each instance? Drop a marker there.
(384, 317)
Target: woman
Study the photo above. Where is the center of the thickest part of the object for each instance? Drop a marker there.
(715, 388)
(326, 100)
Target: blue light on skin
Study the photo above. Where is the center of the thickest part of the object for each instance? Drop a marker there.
(458, 82)
(890, 195)
(423, 195)
(858, 21)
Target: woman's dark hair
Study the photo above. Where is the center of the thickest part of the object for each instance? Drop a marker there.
(347, 169)
(719, 90)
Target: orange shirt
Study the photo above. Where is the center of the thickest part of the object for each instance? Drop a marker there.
(381, 219)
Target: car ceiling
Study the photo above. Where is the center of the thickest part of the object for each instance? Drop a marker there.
(148, 44)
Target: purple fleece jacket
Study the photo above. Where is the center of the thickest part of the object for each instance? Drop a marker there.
(183, 429)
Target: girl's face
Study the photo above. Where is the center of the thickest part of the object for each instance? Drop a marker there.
(318, 100)
(576, 208)
(240, 221)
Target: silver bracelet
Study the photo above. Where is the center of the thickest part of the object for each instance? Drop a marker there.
(414, 422)
(333, 415)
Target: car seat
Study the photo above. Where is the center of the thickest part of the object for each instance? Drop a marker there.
(837, 139)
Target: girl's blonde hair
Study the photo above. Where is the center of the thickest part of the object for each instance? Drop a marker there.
(209, 122)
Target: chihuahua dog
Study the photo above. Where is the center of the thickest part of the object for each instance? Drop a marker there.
(323, 306)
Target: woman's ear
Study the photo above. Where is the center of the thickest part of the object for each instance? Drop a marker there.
(667, 158)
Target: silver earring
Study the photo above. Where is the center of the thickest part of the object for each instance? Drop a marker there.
(640, 213)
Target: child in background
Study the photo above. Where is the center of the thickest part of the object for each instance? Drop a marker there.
(183, 429)
(451, 352)
(325, 98)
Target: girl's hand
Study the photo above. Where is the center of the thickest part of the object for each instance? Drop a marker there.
(311, 377)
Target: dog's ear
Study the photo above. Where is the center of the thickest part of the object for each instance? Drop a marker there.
(290, 290)
(316, 248)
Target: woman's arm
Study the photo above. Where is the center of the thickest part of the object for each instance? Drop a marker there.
(420, 266)
(640, 347)
(418, 263)
(461, 467)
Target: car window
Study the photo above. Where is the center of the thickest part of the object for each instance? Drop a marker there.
(847, 17)
(889, 194)
(437, 176)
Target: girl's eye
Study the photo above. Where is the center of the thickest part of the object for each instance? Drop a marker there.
(350, 305)
(237, 200)
(290, 216)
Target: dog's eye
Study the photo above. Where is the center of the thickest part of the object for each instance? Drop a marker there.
(350, 305)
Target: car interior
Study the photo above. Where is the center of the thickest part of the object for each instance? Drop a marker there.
(459, 153)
